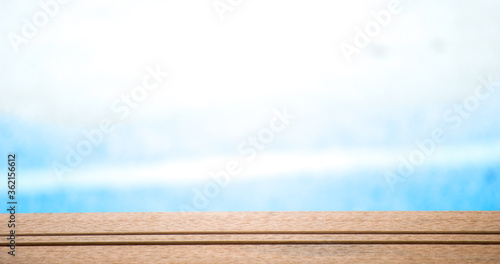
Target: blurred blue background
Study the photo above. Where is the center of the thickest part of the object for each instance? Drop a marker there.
(360, 135)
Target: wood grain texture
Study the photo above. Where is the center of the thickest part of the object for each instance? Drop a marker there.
(259, 254)
(257, 222)
(255, 237)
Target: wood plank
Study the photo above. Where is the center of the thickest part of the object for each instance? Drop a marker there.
(258, 254)
(252, 239)
(256, 222)
(255, 237)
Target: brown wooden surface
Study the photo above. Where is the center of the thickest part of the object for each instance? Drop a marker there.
(255, 237)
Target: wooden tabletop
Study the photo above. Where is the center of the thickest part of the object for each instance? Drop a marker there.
(254, 237)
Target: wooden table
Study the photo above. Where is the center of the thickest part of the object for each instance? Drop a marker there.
(255, 237)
